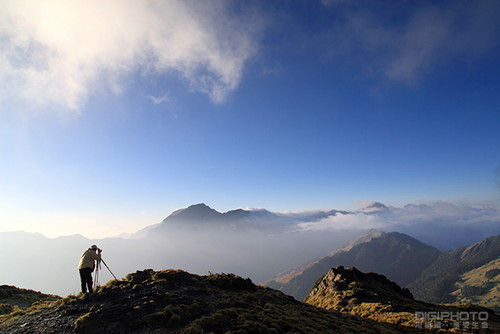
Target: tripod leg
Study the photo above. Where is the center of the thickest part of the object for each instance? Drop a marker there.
(108, 269)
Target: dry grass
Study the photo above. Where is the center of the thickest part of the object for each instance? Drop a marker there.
(480, 286)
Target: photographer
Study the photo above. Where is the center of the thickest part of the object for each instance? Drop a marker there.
(87, 265)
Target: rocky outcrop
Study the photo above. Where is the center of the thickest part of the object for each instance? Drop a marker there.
(368, 287)
(373, 296)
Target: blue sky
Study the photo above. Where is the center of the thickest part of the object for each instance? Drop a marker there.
(113, 115)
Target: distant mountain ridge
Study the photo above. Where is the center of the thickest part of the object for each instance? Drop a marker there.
(359, 240)
(195, 213)
(446, 280)
(398, 256)
(201, 215)
(429, 223)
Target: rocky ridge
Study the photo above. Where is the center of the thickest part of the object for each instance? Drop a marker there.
(373, 296)
(174, 301)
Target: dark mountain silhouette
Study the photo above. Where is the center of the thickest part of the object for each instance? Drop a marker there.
(375, 297)
(197, 213)
(174, 301)
(464, 274)
(398, 256)
(375, 208)
(200, 215)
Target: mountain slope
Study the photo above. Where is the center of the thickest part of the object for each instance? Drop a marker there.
(396, 255)
(174, 301)
(13, 299)
(480, 286)
(375, 297)
(446, 280)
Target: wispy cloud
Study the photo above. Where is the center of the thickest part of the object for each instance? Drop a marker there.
(160, 99)
(329, 3)
(407, 48)
(58, 52)
(496, 176)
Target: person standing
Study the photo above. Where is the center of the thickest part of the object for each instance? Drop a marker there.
(87, 265)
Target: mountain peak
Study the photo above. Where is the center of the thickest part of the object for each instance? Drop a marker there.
(196, 213)
(199, 205)
(367, 237)
(370, 287)
(375, 207)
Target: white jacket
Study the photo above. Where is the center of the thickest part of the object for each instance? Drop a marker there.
(87, 259)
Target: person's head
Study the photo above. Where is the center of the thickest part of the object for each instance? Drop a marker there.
(93, 247)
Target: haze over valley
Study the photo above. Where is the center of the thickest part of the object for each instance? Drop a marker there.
(252, 243)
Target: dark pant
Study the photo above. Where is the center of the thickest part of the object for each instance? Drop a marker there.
(86, 279)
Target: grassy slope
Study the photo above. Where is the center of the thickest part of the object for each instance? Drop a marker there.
(15, 302)
(480, 286)
(438, 283)
(13, 298)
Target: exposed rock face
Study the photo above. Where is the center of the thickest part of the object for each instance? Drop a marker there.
(370, 287)
(373, 296)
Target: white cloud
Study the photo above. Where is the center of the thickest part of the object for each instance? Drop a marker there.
(417, 216)
(358, 221)
(59, 52)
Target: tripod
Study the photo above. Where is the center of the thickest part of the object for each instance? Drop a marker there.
(96, 274)
(108, 268)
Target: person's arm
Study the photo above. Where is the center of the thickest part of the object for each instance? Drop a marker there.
(97, 256)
